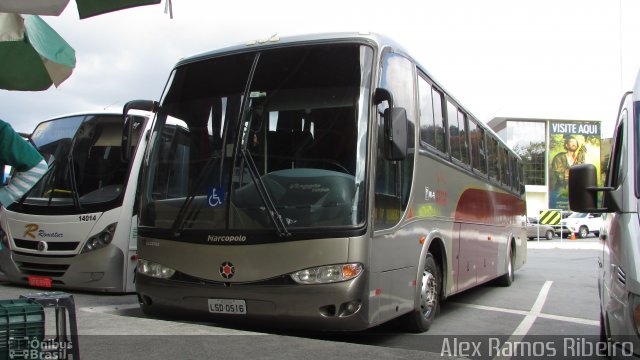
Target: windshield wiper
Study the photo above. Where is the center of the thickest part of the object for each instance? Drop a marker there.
(276, 218)
(274, 215)
(72, 174)
(72, 180)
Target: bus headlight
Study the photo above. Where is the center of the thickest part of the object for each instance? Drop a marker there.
(4, 239)
(150, 268)
(327, 274)
(100, 239)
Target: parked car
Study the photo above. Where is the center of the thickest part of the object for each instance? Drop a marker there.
(581, 224)
(557, 227)
(534, 229)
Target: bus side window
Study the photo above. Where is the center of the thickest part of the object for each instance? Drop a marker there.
(494, 171)
(504, 166)
(513, 172)
(438, 116)
(522, 180)
(454, 130)
(478, 152)
(615, 161)
(427, 124)
(432, 128)
(463, 138)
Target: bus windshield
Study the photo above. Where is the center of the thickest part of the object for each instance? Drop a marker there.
(252, 140)
(84, 157)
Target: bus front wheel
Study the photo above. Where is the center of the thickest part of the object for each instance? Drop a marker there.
(420, 319)
(509, 276)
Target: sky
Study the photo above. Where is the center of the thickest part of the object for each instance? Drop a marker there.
(549, 59)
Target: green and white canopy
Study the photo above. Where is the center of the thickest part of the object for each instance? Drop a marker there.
(86, 8)
(32, 55)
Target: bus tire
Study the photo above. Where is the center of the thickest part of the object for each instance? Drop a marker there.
(508, 277)
(152, 311)
(420, 320)
(148, 311)
(603, 332)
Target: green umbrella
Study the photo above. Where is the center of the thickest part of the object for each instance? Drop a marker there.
(86, 8)
(32, 55)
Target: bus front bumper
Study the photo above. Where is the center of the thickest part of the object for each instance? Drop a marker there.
(99, 270)
(337, 306)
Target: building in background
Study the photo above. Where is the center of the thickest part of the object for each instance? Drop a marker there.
(548, 147)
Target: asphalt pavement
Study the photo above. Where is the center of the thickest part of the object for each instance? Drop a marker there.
(588, 243)
(112, 326)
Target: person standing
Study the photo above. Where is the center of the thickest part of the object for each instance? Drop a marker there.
(29, 165)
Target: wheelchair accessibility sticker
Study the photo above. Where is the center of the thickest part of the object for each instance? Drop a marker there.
(215, 197)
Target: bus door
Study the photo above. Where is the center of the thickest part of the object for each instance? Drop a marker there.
(394, 263)
(134, 141)
(131, 255)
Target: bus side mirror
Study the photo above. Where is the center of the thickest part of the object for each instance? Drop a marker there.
(132, 123)
(583, 190)
(145, 105)
(395, 126)
(395, 129)
(130, 135)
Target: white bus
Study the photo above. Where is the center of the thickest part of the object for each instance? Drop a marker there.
(324, 181)
(76, 228)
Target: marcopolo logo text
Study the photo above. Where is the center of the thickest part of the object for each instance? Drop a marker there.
(226, 238)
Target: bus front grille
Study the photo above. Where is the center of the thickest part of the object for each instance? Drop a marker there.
(276, 281)
(52, 270)
(22, 253)
(51, 246)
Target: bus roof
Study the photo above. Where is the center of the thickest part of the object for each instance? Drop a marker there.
(275, 41)
(636, 88)
(378, 41)
(93, 112)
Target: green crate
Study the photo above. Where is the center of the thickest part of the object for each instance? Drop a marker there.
(21, 324)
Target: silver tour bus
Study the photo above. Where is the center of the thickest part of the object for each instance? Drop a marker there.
(325, 181)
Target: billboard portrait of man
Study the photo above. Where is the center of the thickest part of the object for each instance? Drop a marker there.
(570, 143)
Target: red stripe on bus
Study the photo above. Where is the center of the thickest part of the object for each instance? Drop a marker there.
(488, 206)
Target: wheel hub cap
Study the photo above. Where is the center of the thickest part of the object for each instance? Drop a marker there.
(428, 293)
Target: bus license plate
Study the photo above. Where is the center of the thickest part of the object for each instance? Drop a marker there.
(227, 306)
(39, 281)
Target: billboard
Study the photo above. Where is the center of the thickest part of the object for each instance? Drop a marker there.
(570, 143)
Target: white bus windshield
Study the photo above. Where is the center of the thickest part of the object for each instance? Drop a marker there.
(247, 139)
(85, 162)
